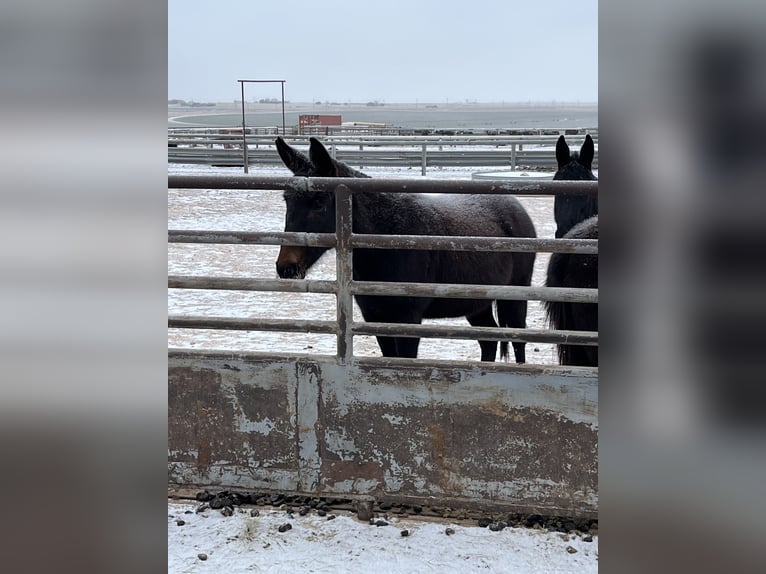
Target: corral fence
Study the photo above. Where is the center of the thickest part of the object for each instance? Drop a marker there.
(483, 436)
(205, 146)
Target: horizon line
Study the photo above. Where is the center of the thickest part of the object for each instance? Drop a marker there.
(331, 101)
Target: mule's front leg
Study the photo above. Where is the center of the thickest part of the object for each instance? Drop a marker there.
(394, 310)
(407, 347)
(387, 346)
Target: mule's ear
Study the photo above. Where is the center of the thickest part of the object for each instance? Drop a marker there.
(562, 152)
(295, 161)
(586, 152)
(322, 160)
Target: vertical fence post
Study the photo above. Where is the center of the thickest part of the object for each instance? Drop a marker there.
(513, 157)
(283, 108)
(244, 136)
(423, 161)
(343, 273)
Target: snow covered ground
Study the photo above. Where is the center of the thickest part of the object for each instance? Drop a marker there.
(211, 542)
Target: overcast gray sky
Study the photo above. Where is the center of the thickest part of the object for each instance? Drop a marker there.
(391, 50)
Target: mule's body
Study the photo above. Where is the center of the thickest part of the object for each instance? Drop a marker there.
(576, 218)
(575, 270)
(410, 214)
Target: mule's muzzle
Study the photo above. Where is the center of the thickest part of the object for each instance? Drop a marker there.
(291, 263)
(290, 271)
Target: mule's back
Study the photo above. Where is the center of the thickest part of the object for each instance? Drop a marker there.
(426, 214)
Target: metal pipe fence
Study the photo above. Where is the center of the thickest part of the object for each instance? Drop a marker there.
(478, 437)
(515, 152)
(344, 240)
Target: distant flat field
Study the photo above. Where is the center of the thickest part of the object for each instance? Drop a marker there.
(415, 116)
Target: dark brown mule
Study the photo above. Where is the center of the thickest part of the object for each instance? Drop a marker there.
(571, 210)
(413, 214)
(576, 218)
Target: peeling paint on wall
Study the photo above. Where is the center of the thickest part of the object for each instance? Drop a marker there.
(514, 438)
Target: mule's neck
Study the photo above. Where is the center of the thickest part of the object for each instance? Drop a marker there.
(383, 212)
(344, 170)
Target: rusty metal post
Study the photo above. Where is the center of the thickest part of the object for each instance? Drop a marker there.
(283, 108)
(242, 83)
(423, 161)
(344, 270)
(244, 136)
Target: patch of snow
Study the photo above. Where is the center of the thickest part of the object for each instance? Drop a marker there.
(245, 543)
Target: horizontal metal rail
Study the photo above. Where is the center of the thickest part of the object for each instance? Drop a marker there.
(225, 181)
(384, 329)
(380, 362)
(466, 291)
(359, 151)
(487, 333)
(251, 238)
(370, 241)
(467, 144)
(357, 185)
(461, 243)
(248, 284)
(213, 135)
(237, 324)
(514, 160)
(390, 289)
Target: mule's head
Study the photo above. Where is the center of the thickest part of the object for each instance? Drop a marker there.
(308, 211)
(319, 162)
(574, 166)
(295, 161)
(570, 210)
